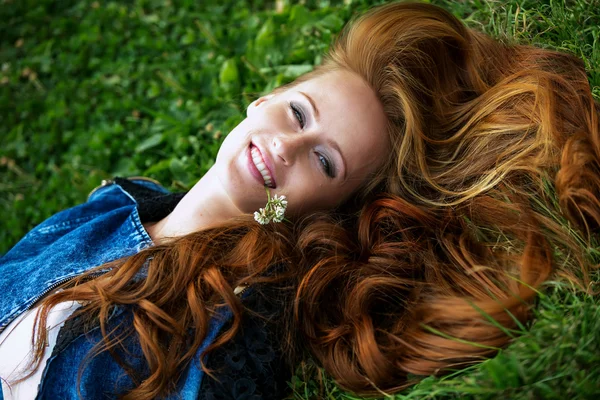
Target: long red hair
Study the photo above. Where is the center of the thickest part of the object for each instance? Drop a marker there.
(494, 165)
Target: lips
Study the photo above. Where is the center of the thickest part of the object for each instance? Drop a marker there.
(266, 160)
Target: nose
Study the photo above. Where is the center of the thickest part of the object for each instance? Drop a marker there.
(288, 146)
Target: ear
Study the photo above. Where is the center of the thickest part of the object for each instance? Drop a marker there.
(258, 102)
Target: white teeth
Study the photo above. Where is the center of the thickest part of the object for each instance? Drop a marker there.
(260, 165)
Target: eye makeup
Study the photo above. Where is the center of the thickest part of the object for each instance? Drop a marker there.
(298, 112)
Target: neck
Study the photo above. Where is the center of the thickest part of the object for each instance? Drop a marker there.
(205, 205)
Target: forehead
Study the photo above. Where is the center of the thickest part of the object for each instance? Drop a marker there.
(350, 114)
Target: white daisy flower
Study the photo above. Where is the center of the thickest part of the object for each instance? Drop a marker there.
(261, 217)
(274, 209)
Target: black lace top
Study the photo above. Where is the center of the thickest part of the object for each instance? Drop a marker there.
(249, 367)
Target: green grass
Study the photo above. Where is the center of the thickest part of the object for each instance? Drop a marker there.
(90, 90)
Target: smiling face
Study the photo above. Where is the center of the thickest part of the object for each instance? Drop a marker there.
(315, 143)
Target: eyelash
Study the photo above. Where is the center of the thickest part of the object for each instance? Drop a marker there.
(302, 121)
(327, 166)
(299, 115)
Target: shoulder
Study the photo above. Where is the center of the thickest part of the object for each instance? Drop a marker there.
(108, 207)
(102, 202)
(111, 195)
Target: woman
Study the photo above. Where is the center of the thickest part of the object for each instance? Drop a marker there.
(318, 142)
(435, 145)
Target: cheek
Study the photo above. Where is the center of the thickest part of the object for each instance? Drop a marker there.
(313, 198)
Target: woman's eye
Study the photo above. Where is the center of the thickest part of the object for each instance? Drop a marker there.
(298, 113)
(326, 165)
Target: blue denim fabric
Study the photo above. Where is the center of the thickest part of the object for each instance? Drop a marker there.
(105, 228)
(102, 377)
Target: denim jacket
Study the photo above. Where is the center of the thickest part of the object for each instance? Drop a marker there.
(105, 228)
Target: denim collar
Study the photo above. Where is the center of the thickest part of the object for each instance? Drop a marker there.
(105, 228)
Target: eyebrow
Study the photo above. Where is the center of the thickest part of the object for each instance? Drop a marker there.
(329, 141)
